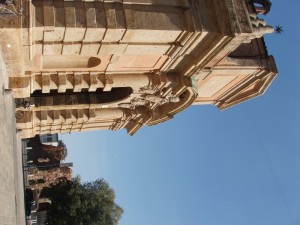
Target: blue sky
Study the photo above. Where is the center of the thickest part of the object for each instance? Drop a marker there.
(210, 167)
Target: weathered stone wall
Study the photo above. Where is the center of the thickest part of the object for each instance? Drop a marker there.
(45, 178)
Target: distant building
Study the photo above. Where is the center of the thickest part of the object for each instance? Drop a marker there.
(44, 170)
(44, 178)
(47, 167)
(108, 65)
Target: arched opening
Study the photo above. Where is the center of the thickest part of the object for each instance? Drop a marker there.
(69, 62)
(80, 98)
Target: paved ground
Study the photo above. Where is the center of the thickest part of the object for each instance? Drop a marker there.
(11, 178)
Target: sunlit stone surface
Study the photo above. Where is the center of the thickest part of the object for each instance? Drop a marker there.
(91, 65)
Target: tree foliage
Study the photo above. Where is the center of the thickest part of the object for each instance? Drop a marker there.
(79, 203)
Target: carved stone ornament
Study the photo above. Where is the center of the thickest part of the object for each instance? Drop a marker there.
(147, 90)
(148, 100)
(134, 103)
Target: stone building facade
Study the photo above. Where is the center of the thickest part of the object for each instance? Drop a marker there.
(113, 64)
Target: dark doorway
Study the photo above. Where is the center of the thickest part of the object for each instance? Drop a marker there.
(78, 98)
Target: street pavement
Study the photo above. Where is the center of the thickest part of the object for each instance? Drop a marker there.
(12, 210)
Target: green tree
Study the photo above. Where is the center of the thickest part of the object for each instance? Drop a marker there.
(79, 203)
